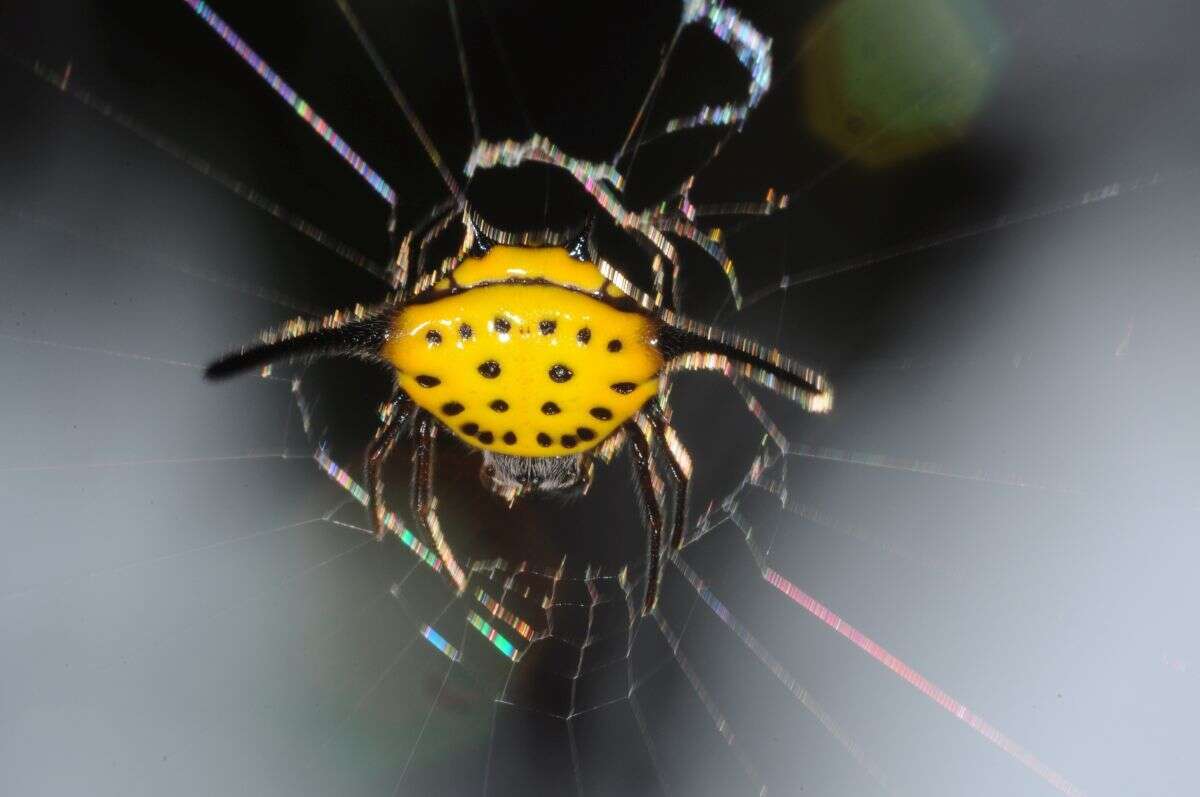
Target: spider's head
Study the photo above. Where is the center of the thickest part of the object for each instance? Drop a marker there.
(511, 477)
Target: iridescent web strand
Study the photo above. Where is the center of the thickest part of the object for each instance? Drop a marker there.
(919, 682)
(439, 642)
(161, 142)
(492, 635)
(861, 640)
(289, 95)
(344, 480)
(751, 48)
(777, 669)
(497, 610)
(596, 179)
(402, 103)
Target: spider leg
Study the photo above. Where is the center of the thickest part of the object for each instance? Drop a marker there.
(652, 512)
(679, 462)
(399, 409)
(423, 504)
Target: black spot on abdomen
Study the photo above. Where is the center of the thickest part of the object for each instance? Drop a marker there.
(425, 380)
(601, 413)
(560, 373)
(624, 388)
(452, 408)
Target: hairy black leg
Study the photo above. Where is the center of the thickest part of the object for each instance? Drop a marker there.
(421, 496)
(399, 408)
(652, 513)
(679, 472)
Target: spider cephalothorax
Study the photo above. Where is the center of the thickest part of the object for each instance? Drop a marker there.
(537, 359)
(512, 476)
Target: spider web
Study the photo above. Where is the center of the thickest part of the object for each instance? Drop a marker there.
(192, 602)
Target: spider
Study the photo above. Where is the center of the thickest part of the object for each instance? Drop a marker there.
(535, 358)
(534, 350)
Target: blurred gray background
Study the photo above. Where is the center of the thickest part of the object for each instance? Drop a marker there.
(993, 248)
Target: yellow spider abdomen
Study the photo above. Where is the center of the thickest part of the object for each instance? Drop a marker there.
(532, 370)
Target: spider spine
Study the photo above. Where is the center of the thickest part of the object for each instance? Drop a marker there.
(675, 342)
(362, 338)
